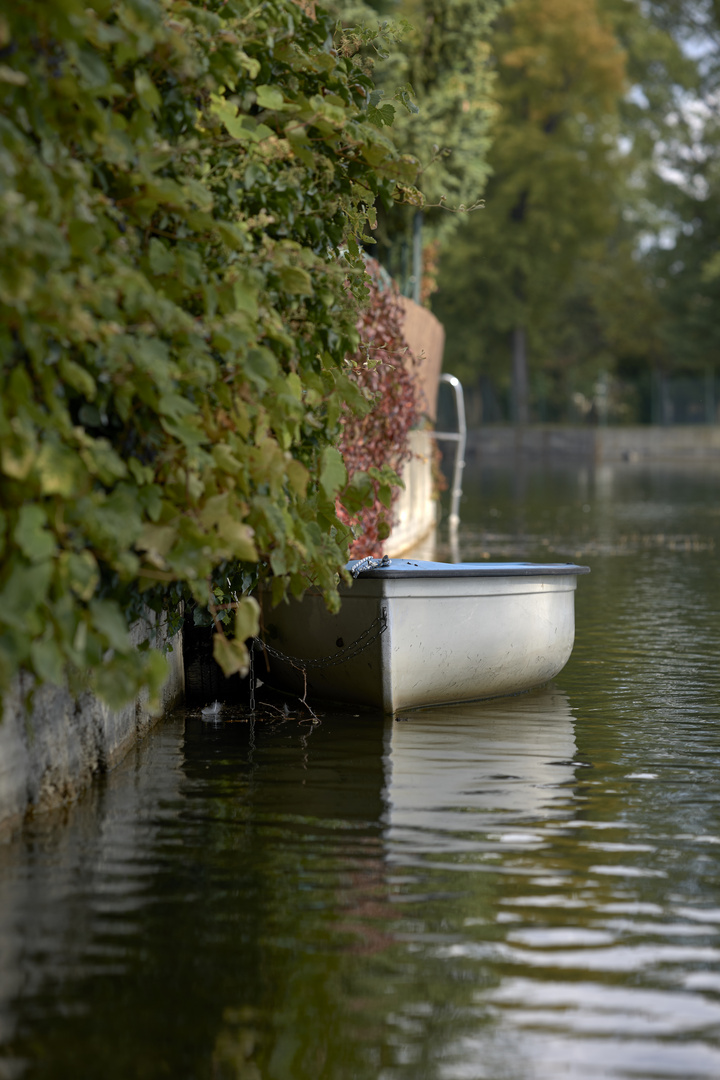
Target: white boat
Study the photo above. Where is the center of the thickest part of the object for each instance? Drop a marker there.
(411, 634)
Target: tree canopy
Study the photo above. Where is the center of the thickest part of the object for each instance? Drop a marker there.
(560, 73)
(594, 253)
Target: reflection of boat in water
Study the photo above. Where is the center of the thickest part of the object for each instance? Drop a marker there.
(410, 634)
(463, 768)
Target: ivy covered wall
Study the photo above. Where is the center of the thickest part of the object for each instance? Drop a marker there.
(181, 185)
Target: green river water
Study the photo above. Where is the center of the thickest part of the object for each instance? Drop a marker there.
(522, 889)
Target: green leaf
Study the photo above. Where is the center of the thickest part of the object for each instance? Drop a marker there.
(296, 280)
(156, 541)
(277, 590)
(114, 686)
(92, 68)
(59, 470)
(48, 661)
(147, 93)
(385, 495)
(247, 618)
(162, 259)
(155, 674)
(383, 115)
(278, 562)
(239, 537)
(226, 460)
(79, 570)
(227, 113)
(79, 378)
(359, 492)
(17, 460)
(85, 239)
(232, 234)
(261, 364)
(333, 474)
(176, 406)
(25, 590)
(31, 534)
(294, 385)
(270, 97)
(232, 655)
(298, 477)
(103, 461)
(246, 297)
(406, 96)
(108, 619)
(375, 154)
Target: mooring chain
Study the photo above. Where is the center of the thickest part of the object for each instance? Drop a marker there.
(347, 652)
(369, 563)
(252, 679)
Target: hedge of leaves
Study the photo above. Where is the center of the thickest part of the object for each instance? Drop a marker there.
(178, 180)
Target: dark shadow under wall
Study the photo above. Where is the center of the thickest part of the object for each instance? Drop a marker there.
(204, 678)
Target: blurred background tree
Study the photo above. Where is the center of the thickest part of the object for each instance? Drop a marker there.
(590, 129)
(561, 282)
(687, 267)
(555, 163)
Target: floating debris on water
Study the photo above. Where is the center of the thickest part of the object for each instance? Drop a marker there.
(212, 712)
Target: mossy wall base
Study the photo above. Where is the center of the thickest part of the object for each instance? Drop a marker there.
(50, 752)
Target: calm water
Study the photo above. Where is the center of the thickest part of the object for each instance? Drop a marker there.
(526, 889)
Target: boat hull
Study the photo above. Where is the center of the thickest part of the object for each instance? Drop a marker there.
(429, 638)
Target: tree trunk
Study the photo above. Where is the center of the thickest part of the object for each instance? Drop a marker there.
(520, 406)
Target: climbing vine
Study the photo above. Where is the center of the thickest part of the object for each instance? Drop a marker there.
(375, 444)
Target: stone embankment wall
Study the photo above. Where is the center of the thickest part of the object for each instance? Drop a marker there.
(686, 443)
(52, 750)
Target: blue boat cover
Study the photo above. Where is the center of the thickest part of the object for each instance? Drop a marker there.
(399, 568)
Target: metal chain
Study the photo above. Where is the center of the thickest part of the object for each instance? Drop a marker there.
(252, 679)
(369, 563)
(348, 652)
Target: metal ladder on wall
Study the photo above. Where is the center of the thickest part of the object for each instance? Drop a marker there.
(459, 437)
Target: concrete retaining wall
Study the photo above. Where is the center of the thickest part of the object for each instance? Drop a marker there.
(425, 335)
(600, 444)
(49, 753)
(416, 507)
(688, 442)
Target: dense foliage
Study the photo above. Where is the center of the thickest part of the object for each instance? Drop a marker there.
(178, 180)
(442, 52)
